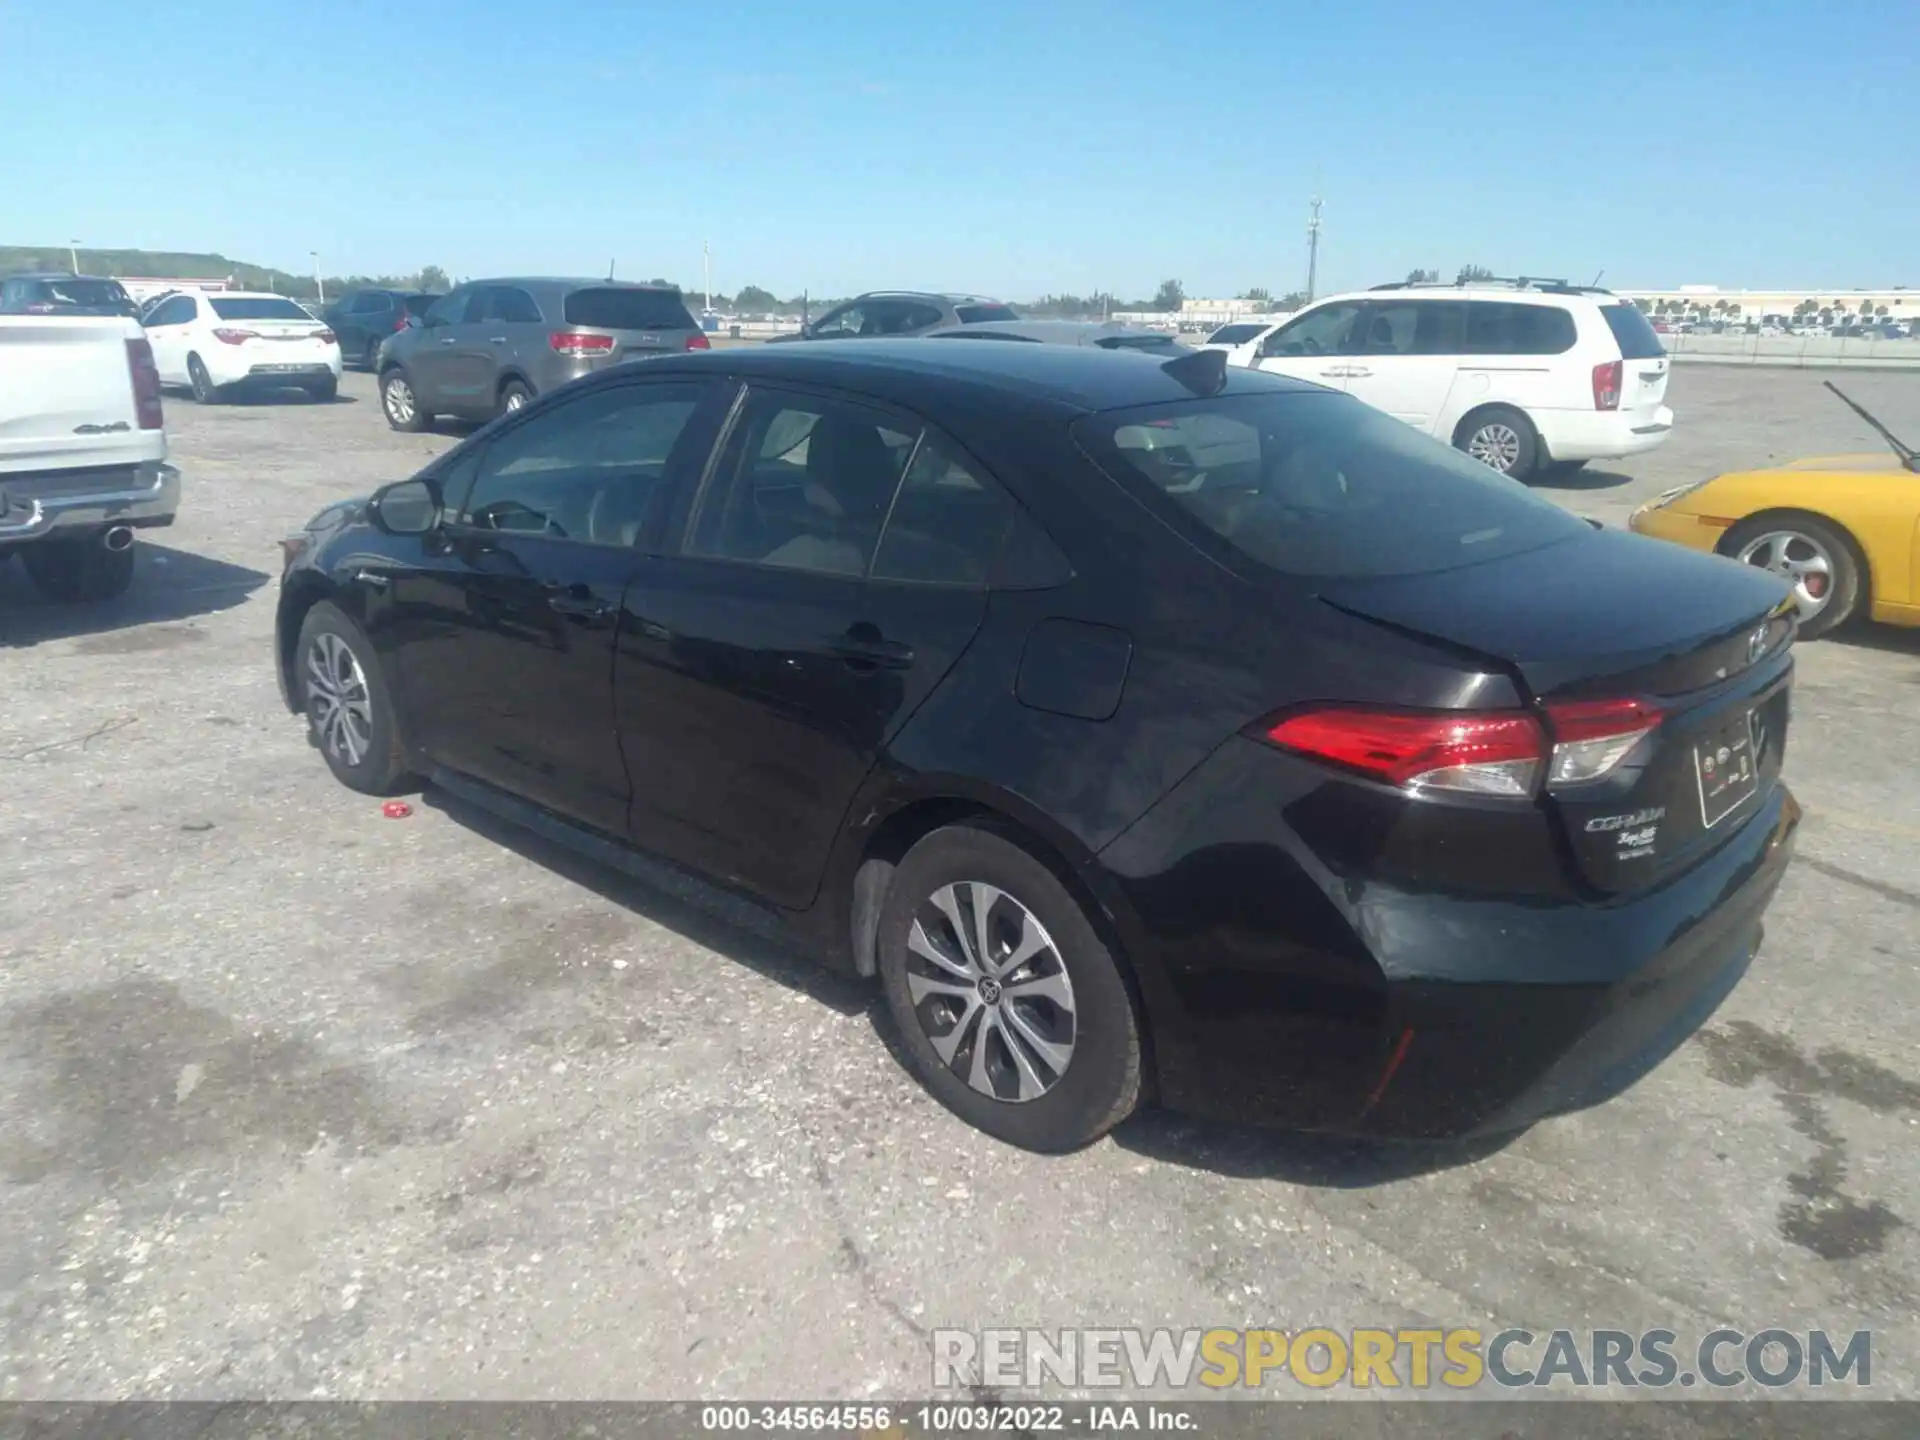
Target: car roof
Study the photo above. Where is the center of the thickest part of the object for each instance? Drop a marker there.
(55, 275)
(237, 295)
(1506, 294)
(573, 283)
(1057, 332)
(947, 295)
(917, 372)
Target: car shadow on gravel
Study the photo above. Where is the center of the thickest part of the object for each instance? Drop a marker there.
(169, 586)
(1320, 1161)
(1584, 479)
(733, 927)
(1869, 635)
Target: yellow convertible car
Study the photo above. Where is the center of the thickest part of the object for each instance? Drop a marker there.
(1843, 531)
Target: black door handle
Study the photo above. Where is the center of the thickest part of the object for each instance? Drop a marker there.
(586, 608)
(864, 647)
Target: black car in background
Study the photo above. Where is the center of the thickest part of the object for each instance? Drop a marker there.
(363, 318)
(62, 294)
(880, 314)
(1148, 728)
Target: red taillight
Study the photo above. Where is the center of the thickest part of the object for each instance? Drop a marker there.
(399, 324)
(325, 337)
(572, 342)
(235, 337)
(1488, 753)
(1592, 737)
(698, 341)
(146, 384)
(1606, 385)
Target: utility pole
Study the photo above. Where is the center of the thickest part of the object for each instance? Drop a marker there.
(1313, 245)
(319, 290)
(73, 255)
(706, 265)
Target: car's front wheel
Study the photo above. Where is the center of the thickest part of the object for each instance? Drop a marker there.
(399, 404)
(1812, 556)
(1502, 439)
(348, 707)
(514, 395)
(1010, 1006)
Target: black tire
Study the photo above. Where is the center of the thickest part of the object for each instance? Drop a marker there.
(325, 391)
(408, 418)
(513, 395)
(372, 358)
(79, 570)
(1099, 1083)
(368, 756)
(205, 392)
(1506, 433)
(1846, 568)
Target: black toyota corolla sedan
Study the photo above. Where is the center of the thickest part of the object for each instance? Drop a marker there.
(1149, 729)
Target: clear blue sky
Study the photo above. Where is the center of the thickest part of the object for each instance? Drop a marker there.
(1016, 148)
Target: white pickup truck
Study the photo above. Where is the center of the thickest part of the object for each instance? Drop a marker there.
(83, 453)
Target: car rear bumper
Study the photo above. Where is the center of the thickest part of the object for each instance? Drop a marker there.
(37, 506)
(251, 365)
(1603, 434)
(1397, 1012)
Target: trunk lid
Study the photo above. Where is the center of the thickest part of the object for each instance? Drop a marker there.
(643, 322)
(66, 395)
(1613, 617)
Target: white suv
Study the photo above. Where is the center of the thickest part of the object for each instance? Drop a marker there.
(1524, 375)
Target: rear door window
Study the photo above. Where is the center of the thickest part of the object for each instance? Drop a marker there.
(1498, 328)
(1636, 336)
(1318, 484)
(1234, 334)
(983, 314)
(947, 524)
(613, 308)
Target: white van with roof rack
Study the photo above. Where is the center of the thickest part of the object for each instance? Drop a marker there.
(1526, 375)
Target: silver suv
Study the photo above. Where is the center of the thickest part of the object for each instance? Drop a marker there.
(490, 346)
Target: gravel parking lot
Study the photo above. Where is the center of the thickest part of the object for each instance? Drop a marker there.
(298, 1100)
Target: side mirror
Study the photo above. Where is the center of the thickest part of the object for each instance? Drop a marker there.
(410, 507)
(415, 322)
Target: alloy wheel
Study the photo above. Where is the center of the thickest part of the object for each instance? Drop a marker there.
(398, 397)
(338, 701)
(991, 991)
(1496, 444)
(1800, 560)
(516, 400)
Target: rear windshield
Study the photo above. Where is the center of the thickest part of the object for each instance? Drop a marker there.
(1234, 334)
(1637, 338)
(265, 307)
(615, 309)
(415, 304)
(984, 314)
(91, 294)
(1318, 484)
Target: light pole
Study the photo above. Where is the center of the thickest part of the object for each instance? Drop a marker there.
(73, 255)
(706, 265)
(319, 288)
(1313, 246)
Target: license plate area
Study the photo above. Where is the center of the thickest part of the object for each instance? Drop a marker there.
(1725, 769)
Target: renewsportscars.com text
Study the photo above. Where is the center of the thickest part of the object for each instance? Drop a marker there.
(1409, 1359)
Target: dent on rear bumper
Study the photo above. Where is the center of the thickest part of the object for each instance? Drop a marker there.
(152, 501)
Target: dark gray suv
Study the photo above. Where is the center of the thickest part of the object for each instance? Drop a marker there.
(900, 312)
(490, 346)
